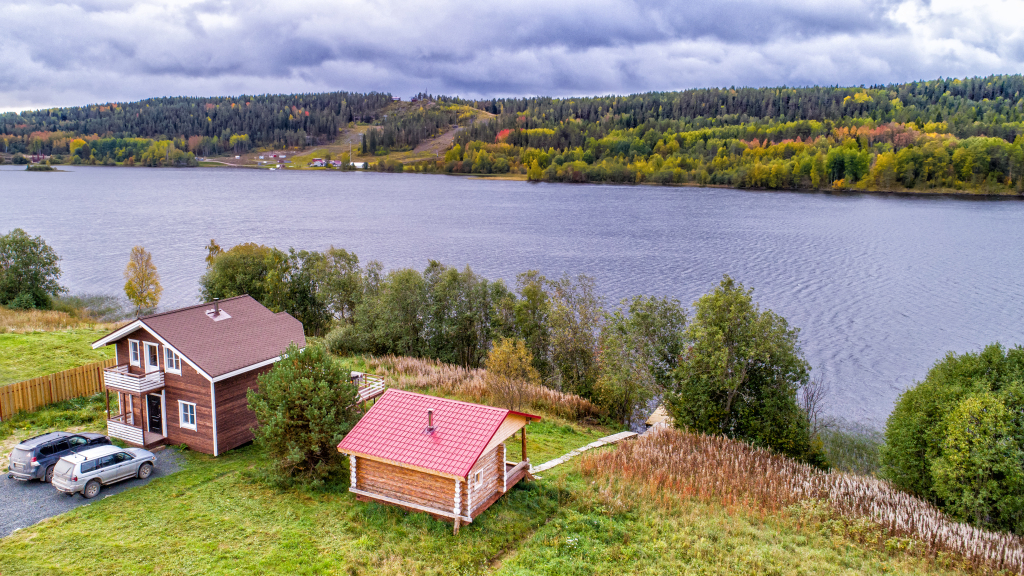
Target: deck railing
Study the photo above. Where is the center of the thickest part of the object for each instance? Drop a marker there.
(370, 385)
(120, 427)
(120, 378)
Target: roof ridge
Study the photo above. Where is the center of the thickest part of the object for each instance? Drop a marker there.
(176, 310)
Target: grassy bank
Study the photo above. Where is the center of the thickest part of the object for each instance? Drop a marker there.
(214, 518)
(615, 511)
(30, 354)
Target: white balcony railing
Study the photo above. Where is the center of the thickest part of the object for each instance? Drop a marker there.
(117, 427)
(119, 378)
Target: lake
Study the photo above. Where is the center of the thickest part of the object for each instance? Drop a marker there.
(880, 286)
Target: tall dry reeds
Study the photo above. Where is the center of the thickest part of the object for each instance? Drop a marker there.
(714, 468)
(20, 321)
(451, 380)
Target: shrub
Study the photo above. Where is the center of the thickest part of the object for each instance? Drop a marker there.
(19, 159)
(304, 406)
(23, 301)
(957, 437)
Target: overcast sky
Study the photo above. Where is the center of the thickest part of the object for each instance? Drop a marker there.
(88, 51)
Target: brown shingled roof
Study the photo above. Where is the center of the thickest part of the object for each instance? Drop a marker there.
(251, 335)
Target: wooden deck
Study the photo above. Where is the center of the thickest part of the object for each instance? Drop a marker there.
(370, 386)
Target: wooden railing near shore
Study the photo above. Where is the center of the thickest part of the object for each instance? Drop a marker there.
(35, 393)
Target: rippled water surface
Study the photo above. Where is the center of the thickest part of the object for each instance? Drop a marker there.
(881, 286)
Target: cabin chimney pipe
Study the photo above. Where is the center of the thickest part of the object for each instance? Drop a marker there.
(216, 307)
(430, 418)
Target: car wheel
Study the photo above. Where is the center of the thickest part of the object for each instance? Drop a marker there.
(145, 470)
(48, 476)
(91, 489)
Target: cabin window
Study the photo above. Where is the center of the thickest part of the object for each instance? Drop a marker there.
(133, 353)
(188, 414)
(477, 478)
(152, 357)
(172, 362)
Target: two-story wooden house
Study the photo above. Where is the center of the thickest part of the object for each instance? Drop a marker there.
(182, 376)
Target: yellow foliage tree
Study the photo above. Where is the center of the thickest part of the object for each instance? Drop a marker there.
(142, 282)
(510, 373)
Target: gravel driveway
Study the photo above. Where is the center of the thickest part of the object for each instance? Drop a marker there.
(22, 504)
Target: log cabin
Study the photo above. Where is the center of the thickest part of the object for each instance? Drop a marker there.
(428, 454)
(182, 376)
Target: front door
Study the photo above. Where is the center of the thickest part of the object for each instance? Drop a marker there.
(156, 417)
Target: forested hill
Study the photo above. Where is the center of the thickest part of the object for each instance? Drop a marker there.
(286, 119)
(993, 106)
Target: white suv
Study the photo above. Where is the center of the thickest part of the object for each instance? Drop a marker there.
(88, 470)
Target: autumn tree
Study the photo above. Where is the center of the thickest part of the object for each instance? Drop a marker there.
(142, 282)
(510, 373)
(212, 251)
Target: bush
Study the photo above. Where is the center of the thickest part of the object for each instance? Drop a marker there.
(23, 301)
(19, 159)
(304, 406)
(957, 438)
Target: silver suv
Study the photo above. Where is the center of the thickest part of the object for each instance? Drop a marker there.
(88, 470)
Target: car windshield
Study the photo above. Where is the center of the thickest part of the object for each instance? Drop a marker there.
(63, 467)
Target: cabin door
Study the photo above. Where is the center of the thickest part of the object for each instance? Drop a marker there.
(156, 417)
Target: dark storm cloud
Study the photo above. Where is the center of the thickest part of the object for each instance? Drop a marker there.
(81, 51)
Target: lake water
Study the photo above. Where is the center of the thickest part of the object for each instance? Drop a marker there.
(881, 286)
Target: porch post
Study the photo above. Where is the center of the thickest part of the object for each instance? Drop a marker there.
(524, 459)
(106, 395)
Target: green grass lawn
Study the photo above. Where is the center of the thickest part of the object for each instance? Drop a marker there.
(32, 354)
(216, 516)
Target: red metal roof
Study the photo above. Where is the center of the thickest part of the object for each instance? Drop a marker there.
(395, 429)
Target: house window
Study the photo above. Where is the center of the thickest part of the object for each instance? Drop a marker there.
(477, 478)
(188, 414)
(172, 362)
(133, 353)
(152, 357)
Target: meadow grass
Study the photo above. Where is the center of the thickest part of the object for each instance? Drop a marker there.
(29, 354)
(217, 517)
(668, 463)
(420, 374)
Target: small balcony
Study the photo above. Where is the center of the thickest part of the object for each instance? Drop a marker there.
(123, 428)
(120, 379)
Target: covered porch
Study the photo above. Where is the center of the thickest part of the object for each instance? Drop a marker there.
(140, 406)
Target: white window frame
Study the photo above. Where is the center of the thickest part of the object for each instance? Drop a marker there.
(182, 413)
(477, 478)
(150, 367)
(172, 362)
(134, 355)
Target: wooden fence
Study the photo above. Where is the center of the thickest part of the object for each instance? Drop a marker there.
(37, 392)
